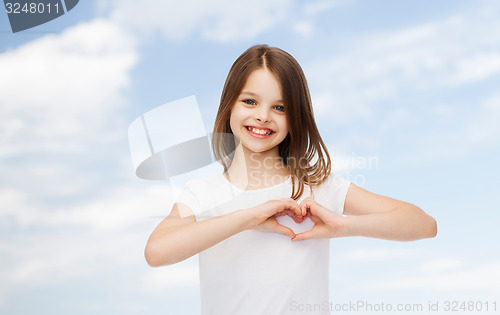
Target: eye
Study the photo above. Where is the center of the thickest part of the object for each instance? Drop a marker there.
(280, 108)
(249, 102)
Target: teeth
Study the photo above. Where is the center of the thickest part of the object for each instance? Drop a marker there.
(259, 131)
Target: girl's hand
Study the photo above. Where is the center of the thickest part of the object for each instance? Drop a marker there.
(265, 215)
(327, 224)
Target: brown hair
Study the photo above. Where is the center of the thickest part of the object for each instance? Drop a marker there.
(303, 142)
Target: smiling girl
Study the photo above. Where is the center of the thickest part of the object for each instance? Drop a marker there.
(263, 228)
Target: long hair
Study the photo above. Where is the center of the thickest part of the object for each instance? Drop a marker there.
(303, 150)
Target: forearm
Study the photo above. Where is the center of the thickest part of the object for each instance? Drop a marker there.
(405, 223)
(180, 242)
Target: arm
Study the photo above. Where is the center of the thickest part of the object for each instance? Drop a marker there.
(179, 236)
(377, 216)
(369, 215)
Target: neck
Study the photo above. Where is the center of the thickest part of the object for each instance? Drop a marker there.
(251, 170)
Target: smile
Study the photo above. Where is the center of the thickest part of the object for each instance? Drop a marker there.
(257, 131)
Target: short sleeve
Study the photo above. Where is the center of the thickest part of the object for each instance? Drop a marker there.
(332, 193)
(189, 197)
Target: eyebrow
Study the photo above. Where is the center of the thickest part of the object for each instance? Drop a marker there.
(256, 95)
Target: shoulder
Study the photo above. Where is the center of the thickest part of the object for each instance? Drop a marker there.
(201, 186)
(333, 182)
(332, 192)
(199, 193)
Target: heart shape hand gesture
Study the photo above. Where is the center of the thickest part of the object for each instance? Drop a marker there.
(266, 214)
(327, 223)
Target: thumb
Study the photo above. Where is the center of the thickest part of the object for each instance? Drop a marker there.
(278, 228)
(315, 208)
(304, 236)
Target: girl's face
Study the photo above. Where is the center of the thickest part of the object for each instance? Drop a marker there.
(258, 117)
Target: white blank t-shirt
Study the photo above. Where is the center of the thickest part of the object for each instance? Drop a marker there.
(256, 272)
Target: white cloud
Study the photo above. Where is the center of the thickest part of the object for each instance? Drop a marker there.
(219, 20)
(178, 276)
(59, 96)
(316, 7)
(363, 255)
(484, 277)
(102, 235)
(485, 127)
(479, 66)
(455, 51)
(304, 28)
(43, 259)
(481, 128)
(72, 243)
(345, 163)
(116, 210)
(60, 112)
(308, 13)
(392, 83)
(15, 209)
(440, 265)
(59, 90)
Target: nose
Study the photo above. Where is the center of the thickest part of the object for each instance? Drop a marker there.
(262, 115)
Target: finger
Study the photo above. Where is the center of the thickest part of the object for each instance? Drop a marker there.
(304, 206)
(287, 212)
(298, 219)
(315, 218)
(304, 201)
(315, 208)
(291, 214)
(281, 213)
(292, 205)
(303, 211)
(284, 230)
(304, 236)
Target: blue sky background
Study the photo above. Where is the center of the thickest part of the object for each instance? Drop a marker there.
(412, 84)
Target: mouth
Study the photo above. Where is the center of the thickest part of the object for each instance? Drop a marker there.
(259, 131)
